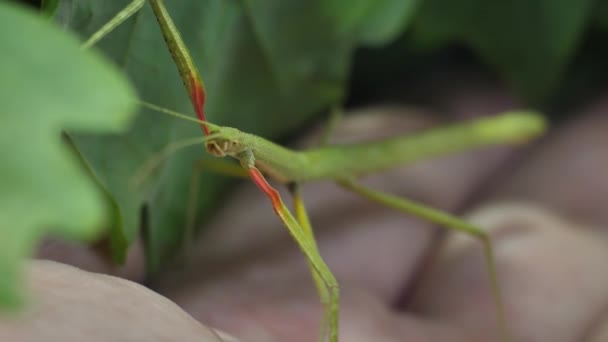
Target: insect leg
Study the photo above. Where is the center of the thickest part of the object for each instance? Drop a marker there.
(302, 217)
(113, 23)
(335, 115)
(219, 166)
(306, 244)
(448, 221)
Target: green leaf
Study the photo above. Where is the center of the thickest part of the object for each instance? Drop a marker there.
(371, 22)
(48, 7)
(600, 15)
(268, 67)
(48, 84)
(528, 41)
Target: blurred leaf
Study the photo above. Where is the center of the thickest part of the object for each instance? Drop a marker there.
(371, 22)
(528, 41)
(48, 84)
(268, 67)
(48, 7)
(600, 15)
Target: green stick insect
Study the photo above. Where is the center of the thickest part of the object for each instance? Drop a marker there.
(260, 158)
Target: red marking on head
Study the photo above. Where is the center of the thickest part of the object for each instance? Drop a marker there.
(197, 95)
(272, 193)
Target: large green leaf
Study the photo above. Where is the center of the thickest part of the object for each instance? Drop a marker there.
(47, 85)
(268, 67)
(528, 41)
(370, 22)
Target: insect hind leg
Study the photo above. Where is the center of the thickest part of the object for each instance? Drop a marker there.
(445, 220)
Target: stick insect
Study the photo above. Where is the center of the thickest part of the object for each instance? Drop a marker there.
(260, 158)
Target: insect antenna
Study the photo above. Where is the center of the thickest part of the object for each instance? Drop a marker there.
(178, 115)
(156, 160)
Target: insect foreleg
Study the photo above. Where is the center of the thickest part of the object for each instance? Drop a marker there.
(302, 217)
(118, 19)
(306, 244)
